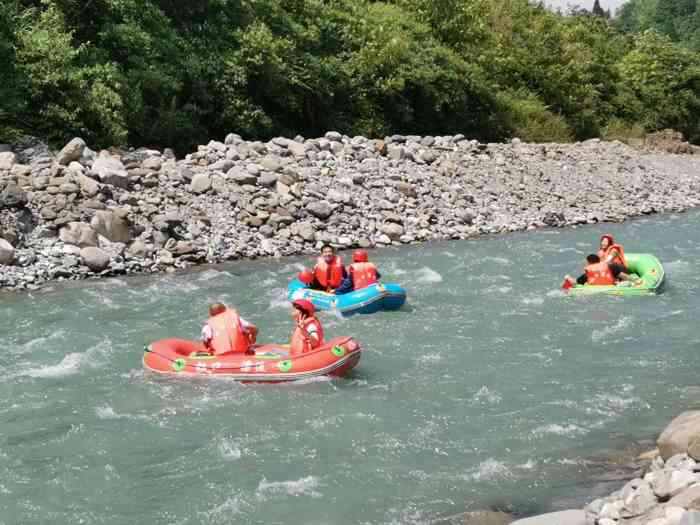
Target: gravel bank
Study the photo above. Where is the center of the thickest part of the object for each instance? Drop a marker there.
(78, 213)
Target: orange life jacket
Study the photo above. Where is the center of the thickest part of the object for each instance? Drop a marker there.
(329, 275)
(619, 259)
(301, 340)
(227, 333)
(364, 274)
(599, 274)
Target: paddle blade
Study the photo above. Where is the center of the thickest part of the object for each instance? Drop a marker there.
(566, 285)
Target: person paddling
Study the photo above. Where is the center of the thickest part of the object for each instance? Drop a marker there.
(308, 332)
(361, 274)
(597, 273)
(227, 332)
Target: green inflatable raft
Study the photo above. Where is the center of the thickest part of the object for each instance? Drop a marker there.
(643, 265)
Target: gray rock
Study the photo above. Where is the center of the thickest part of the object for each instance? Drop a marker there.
(242, 177)
(304, 229)
(639, 501)
(7, 160)
(71, 152)
(267, 179)
(94, 258)
(79, 234)
(12, 196)
(392, 230)
(320, 209)
(111, 226)
(271, 163)
(7, 252)
(201, 183)
(140, 249)
(334, 136)
(668, 483)
(566, 517)
(688, 498)
(110, 170)
(152, 163)
(681, 436)
(298, 150)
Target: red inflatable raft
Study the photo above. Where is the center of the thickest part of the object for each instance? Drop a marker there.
(269, 363)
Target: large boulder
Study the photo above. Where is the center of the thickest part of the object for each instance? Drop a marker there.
(688, 498)
(109, 225)
(201, 183)
(78, 234)
(89, 187)
(7, 160)
(94, 258)
(681, 436)
(320, 209)
(7, 252)
(71, 151)
(12, 196)
(110, 170)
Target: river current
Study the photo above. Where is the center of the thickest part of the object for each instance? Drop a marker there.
(489, 388)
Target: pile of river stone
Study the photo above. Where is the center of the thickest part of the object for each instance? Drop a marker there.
(80, 213)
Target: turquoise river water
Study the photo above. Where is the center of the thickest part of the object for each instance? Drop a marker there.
(489, 388)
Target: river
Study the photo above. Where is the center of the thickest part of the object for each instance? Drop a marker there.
(489, 388)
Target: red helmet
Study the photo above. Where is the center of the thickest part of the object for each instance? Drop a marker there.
(306, 306)
(306, 276)
(360, 256)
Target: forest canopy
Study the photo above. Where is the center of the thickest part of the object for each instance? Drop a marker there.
(176, 73)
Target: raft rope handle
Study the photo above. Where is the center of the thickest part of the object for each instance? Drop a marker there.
(307, 354)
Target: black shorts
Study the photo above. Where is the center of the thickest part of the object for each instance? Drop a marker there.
(617, 269)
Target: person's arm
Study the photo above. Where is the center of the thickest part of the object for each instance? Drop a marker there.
(207, 336)
(346, 286)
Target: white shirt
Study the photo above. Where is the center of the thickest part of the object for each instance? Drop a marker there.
(208, 335)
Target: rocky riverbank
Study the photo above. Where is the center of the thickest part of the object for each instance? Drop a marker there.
(80, 213)
(668, 492)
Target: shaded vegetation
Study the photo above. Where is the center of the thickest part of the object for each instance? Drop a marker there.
(177, 73)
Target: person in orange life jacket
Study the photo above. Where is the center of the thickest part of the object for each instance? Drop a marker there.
(329, 271)
(361, 274)
(611, 252)
(598, 273)
(308, 332)
(225, 331)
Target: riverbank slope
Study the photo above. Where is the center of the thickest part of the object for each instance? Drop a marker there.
(79, 213)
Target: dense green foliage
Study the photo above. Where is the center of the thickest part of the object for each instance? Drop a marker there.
(177, 72)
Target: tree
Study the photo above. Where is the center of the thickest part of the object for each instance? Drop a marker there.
(598, 11)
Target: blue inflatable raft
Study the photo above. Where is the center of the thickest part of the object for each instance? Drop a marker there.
(366, 301)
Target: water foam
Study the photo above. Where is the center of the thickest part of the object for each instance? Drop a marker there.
(229, 449)
(301, 487)
(486, 395)
(428, 275)
(489, 470)
(622, 323)
(568, 430)
(69, 365)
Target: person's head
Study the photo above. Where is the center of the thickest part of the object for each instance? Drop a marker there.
(301, 309)
(593, 259)
(360, 256)
(327, 252)
(606, 240)
(216, 309)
